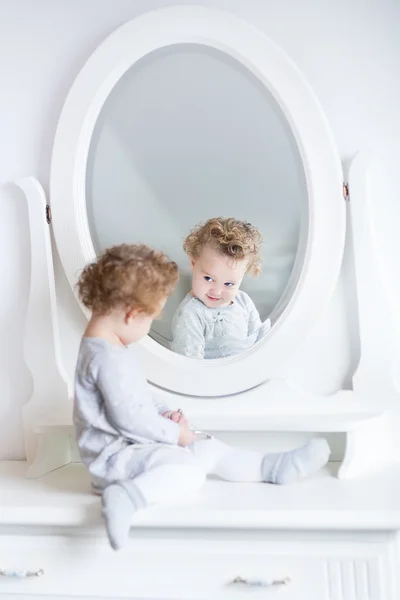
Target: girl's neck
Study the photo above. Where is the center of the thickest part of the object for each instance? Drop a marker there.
(102, 326)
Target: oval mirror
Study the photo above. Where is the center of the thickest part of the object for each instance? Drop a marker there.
(181, 115)
(186, 135)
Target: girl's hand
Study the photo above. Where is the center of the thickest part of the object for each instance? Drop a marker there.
(186, 436)
(176, 416)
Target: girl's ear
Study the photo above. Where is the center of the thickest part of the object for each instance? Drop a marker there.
(131, 315)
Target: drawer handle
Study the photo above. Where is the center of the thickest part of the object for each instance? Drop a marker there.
(20, 574)
(261, 582)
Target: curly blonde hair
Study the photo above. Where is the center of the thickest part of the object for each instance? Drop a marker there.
(127, 276)
(230, 237)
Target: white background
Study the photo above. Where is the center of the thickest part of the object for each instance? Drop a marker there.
(348, 50)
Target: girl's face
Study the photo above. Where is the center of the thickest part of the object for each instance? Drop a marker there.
(216, 278)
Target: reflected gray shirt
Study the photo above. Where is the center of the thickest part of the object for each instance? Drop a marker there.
(202, 332)
(113, 406)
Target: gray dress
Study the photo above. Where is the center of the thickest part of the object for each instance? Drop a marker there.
(202, 332)
(117, 421)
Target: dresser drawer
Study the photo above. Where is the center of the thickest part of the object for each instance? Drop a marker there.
(200, 569)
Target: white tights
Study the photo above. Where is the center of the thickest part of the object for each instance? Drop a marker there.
(167, 474)
(174, 473)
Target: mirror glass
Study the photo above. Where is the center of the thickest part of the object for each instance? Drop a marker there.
(186, 135)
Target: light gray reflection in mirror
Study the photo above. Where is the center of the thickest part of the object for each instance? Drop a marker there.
(188, 134)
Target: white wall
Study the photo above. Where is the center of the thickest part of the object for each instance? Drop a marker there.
(350, 52)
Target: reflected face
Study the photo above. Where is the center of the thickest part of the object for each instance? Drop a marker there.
(216, 278)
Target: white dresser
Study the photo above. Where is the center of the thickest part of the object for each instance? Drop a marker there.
(323, 539)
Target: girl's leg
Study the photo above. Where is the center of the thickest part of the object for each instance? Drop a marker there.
(168, 476)
(235, 464)
(232, 464)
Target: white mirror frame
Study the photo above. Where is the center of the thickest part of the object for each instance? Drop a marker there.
(326, 226)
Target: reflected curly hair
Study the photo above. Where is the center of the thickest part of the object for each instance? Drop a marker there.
(230, 237)
(125, 277)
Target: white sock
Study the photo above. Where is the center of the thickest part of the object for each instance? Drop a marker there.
(120, 502)
(287, 467)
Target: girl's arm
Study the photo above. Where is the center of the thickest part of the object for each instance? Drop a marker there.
(129, 408)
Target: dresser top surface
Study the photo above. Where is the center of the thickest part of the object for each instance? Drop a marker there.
(64, 498)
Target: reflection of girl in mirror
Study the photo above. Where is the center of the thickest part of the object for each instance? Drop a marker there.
(137, 450)
(216, 319)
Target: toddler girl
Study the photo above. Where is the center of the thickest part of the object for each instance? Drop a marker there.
(216, 319)
(137, 450)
